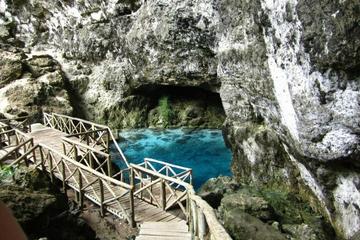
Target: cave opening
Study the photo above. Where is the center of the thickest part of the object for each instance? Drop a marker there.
(183, 106)
(190, 137)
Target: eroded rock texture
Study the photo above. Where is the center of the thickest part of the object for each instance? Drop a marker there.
(287, 73)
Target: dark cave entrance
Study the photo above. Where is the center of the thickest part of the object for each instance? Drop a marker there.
(177, 106)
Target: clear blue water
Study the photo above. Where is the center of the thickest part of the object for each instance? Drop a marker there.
(202, 150)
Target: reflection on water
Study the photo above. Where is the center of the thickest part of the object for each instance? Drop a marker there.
(202, 150)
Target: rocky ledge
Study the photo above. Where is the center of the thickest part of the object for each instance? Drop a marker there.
(45, 213)
(255, 213)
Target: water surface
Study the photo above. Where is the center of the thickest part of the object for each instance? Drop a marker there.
(202, 150)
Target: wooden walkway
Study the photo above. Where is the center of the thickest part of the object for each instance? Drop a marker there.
(163, 230)
(52, 138)
(155, 196)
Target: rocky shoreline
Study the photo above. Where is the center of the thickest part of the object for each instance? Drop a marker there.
(249, 212)
(46, 213)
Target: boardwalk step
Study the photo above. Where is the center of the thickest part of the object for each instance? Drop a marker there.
(163, 230)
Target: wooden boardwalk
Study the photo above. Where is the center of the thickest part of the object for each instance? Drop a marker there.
(144, 211)
(155, 196)
(163, 230)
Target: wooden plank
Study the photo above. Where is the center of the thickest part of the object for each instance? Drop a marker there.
(151, 237)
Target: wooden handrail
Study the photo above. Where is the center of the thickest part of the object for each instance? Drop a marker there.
(7, 132)
(159, 175)
(147, 186)
(15, 149)
(71, 141)
(99, 126)
(23, 156)
(81, 166)
(165, 163)
(87, 132)
(217, 231)
(78, 119)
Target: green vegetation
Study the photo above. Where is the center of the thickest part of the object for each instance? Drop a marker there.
(165, 110)
(5, 172)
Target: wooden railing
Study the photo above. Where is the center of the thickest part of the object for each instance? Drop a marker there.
(88, 155)
(86, 182)
(17, 142)
(201, 217)
(171, 170)
(21, 123)
(156, 188)
(92, 133)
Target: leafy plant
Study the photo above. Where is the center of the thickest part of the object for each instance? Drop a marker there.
(165, 110)
(5, 172)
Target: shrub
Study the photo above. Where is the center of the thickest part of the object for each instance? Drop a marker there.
(165, 110)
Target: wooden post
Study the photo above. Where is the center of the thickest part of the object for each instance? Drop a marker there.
(63, 176)
(51, 167)
(202, 225)
(141, 184)
(132, 178)
(190, 216)
(87, 137)
(163, 194)
(91, 160)
(188, 208)
(108, 140)
(102, 209)
(109, 167)
(26, 160)
(193, 220)
(64, 148)
(42, 159)
(190, 176)
(75, 152)
(81, 197)
(151, 188)
(34, 152)
(132, 208)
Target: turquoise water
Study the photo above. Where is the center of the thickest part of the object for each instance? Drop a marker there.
(202, 150)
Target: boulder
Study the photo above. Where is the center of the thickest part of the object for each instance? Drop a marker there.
(11, 66)
(41, 64)
(39, 207)
(214, 189)
(243, 226)
(300, 232)
(254, 205)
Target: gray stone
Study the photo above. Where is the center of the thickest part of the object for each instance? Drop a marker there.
(243, 226)
(11, 66)
(256, 206)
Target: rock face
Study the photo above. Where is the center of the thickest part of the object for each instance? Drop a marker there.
(40, 209)
(34, 84)
(286, 71)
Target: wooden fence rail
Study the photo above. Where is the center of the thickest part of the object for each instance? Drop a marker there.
(84, 130)
(201, 217)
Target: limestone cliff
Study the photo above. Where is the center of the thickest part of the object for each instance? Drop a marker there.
(287, 72)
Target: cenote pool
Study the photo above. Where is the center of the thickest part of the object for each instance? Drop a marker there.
(202, 150)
